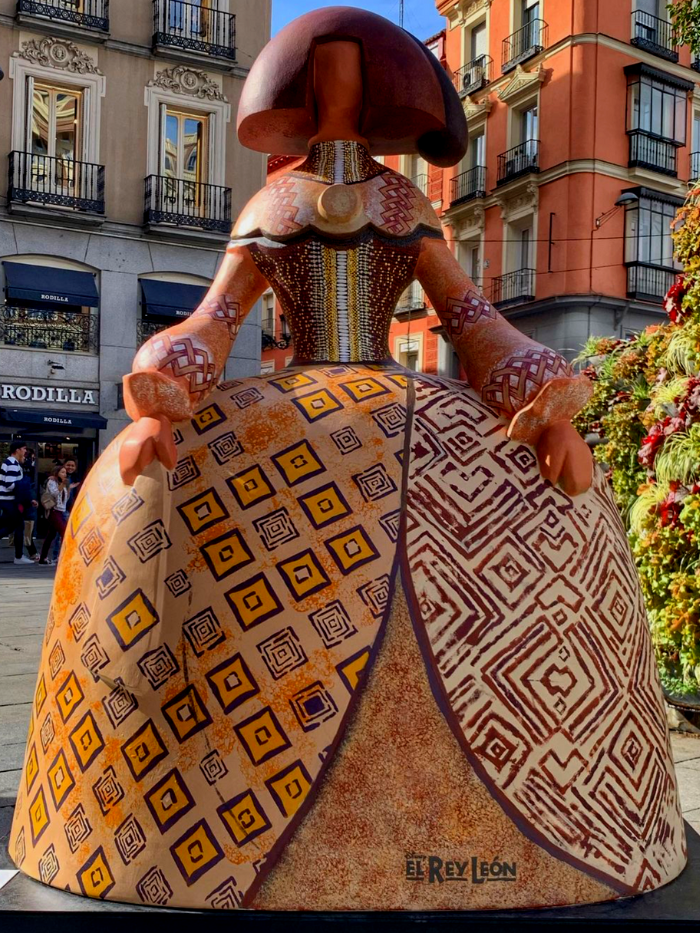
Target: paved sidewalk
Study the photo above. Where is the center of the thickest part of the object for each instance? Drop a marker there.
(25, 592)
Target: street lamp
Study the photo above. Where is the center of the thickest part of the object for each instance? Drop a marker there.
(625, 199)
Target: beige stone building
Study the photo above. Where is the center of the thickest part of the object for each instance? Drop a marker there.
(123, 172)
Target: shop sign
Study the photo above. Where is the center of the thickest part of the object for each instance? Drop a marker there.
(23, 393)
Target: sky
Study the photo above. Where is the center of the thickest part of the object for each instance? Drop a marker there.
(420, 16)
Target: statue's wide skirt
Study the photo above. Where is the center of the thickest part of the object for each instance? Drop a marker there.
(352, 653)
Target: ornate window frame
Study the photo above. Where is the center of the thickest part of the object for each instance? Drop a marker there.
(59, 62)
(193, 89)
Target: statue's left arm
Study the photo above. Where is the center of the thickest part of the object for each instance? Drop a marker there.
(529, 385)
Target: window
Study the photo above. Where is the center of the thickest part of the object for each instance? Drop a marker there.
(656, 106)
(470, 256)
(268, 313)
(184, 145)
(477, 42)
(525, 247)
(448, 361)
(528, 124)
(530, 15)
(54, 131)
(477, 150)
(408, 351)
(648, 232)
(416, 168)
(696, 131)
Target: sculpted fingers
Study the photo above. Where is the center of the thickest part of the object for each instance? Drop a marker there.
(134, 456)
(551, 459)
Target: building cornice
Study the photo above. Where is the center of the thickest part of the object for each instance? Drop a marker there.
(512, 198)
(635, 54)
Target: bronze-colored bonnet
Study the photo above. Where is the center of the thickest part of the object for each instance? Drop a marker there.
(409, 102)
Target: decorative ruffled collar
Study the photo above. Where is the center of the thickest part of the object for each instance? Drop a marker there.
(339, 162)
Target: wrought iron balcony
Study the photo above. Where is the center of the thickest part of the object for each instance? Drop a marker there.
(147, 329)
(520, 160)
(654, 35)
(194, 28)
(272, 341)
(474, 76)
(468, 185)
(89, 14)
(46, 180)
(694, 166)
(35, 328)
(648, 282)
(184, 203)
(529, 40)
(659, 155)
(513, 288)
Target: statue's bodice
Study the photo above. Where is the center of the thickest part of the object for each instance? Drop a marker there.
(338, 239)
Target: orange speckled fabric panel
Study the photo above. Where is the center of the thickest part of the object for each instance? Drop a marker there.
(207, 633)
(534, 627)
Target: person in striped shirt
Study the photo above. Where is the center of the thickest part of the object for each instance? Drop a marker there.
(11, 517)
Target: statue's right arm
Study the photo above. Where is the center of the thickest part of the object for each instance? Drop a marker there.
(177, 368)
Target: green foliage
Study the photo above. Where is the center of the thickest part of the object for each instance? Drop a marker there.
(685, 16)
(645, 411)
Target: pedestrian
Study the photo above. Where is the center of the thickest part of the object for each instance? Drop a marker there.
(26, 498)
(54, 499)
(73, 485)
(11, 517)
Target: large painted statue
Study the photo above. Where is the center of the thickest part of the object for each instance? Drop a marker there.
(339, 637)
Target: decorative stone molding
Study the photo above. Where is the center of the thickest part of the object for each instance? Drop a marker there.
(63, 54)
(469, 222)
(477, 113)
(518, 203)
(522, 84)
(465, 10)
(182, 79)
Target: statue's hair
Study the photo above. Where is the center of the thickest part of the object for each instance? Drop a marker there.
(409, 103)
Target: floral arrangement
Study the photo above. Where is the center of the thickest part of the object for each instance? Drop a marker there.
(644, 416)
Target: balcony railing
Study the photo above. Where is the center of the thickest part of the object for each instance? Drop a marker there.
(147, 329)
(649, 282)
(281, 340)
(520, 160)
(654, 35)
(56, 182)
(468, 185)
(194, 28)
(694, 166)
(530, 40)
(513, 287)
(34, 328)
(184, 203)
(474, 76)
(652, 153)
(90, 14)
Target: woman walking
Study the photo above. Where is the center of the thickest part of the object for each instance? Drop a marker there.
(54, 500)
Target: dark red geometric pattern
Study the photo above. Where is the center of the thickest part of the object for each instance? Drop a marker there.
(459, 314)
(223, 308)
(280, 211)
(181, 357)
(538, 636)
(398, 196)
(514, 383)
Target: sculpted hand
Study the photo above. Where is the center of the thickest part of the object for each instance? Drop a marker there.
(147, 439)
(565, 458)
